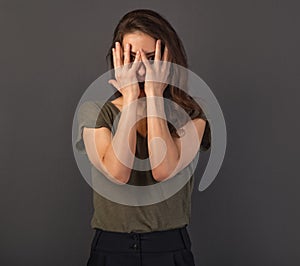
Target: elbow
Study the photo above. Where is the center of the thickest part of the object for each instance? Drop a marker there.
(122, 178)
(118, 176)
(164, 171)
(159, 175)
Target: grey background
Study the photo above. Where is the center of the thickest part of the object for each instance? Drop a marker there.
(246, 51)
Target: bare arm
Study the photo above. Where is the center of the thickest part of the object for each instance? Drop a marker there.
(169, 155)
(114, 155)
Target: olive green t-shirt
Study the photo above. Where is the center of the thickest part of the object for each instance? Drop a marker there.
(171, 213)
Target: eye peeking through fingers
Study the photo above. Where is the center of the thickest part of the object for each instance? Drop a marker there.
(132, 58)
(151, 58)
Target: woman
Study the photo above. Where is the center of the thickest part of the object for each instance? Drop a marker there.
(154, 234)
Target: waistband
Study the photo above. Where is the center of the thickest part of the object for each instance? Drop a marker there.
(156, 241)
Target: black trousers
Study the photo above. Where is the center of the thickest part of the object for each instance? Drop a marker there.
(158, 248)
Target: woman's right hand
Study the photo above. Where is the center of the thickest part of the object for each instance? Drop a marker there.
(125, 72)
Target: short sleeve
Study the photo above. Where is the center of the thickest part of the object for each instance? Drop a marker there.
(206, 139)
(91, 115)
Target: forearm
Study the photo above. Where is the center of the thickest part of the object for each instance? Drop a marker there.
(163, 154)
(119, 157)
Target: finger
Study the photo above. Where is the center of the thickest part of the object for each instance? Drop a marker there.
(127, 54)
(145, 59)
(136, 62)
(166, 64)
(157, 56)
(114, 57)
(166, 67)
(118, 59)
(114, 83)
(166, 52)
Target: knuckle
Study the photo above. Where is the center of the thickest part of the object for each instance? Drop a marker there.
(118, 75)
(150, 71)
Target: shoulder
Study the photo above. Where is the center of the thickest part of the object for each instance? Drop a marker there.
(92, 107)
(89, 106)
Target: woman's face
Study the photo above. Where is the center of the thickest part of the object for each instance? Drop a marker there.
(139, 40)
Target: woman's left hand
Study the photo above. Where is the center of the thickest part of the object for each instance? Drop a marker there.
(157, 72)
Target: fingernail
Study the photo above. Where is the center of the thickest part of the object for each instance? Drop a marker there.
(127, 45)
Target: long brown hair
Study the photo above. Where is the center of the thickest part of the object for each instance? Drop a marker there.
(156, 26)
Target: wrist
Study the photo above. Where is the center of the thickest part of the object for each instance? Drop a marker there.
(153, 92)
(129, 98)
(154, 89)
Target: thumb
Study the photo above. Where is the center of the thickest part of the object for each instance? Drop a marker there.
(114, 83)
